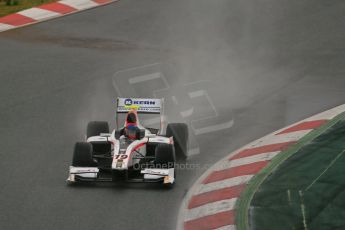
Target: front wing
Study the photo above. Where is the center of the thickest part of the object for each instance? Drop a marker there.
(88, 174)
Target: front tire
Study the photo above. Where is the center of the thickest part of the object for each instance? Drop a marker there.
(180, 133)
(165, 156)
(82, 155)
(95, 128)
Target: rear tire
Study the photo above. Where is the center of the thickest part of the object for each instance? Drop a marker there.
(82, 156)
(180, 133)
(95, 128)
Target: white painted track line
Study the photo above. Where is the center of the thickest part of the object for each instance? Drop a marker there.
(210, 209)
(249, 160)
(276, 139)
(4, 27)
(39, 14)
(79, 4)
(202, 188)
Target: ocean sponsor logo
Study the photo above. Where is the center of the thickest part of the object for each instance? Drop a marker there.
(129, 102)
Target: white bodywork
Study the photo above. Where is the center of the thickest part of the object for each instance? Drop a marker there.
(122, 158)
(87, 172)
(168, 174)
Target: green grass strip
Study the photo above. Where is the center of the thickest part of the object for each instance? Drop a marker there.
(13, 6)
(247, 195)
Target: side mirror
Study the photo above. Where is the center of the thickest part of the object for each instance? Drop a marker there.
(117, 134)
(105, 134)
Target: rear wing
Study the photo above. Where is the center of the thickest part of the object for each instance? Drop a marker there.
(142, 106)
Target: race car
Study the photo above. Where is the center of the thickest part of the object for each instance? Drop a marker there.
(133, 152)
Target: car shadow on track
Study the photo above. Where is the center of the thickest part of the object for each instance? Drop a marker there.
(119, 186)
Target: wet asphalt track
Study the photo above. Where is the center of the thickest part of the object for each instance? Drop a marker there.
(263, 63)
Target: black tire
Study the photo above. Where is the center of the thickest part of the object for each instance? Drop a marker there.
(180, 133)
(165, 156)
(82, 156)
(94, 128)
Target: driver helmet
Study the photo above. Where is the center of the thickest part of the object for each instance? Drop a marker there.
(131, 125)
